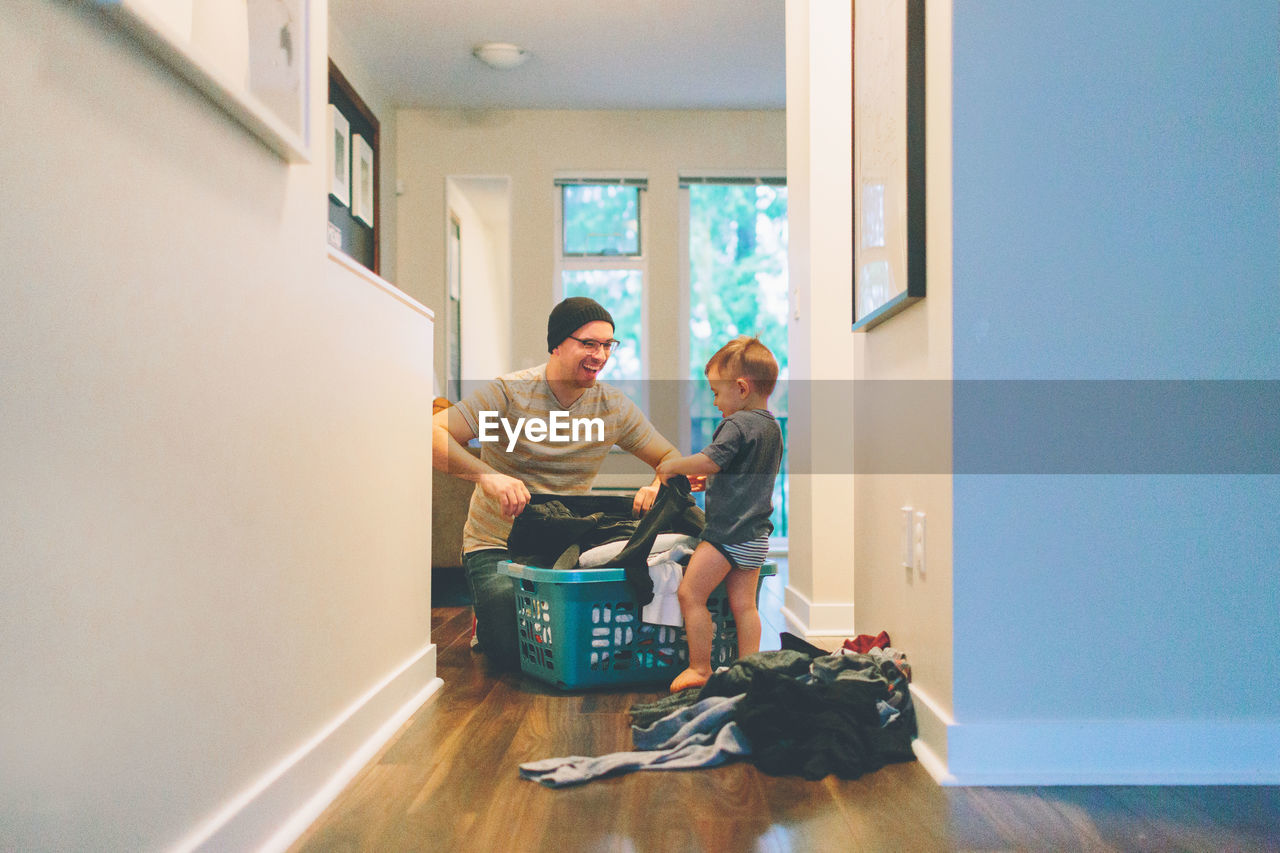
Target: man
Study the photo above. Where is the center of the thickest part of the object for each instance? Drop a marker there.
(547, 428)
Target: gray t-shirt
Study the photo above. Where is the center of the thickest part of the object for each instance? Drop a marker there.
(548, 467)
(747, 447)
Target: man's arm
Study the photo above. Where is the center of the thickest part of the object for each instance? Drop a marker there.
(449, 433)
(652, 454)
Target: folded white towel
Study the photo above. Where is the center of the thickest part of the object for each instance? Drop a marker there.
(602, 555)
(679, 552)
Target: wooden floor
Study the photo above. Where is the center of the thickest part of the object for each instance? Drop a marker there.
(448, 781)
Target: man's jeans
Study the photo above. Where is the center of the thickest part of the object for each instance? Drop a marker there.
(494, 601)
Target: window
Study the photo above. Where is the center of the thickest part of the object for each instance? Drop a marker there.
(453, 312)
(600, 219)
(600, 253)
(737, 285)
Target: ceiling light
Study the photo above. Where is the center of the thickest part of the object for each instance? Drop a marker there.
(500, 55)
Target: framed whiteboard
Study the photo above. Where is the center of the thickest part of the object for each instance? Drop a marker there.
(888, 158)
(249, 57)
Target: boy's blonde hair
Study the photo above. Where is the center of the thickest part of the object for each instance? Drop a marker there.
(746, 357)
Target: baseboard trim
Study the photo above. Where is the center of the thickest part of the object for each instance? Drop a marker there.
(1094, 752)
(313, 808)
(1115, 752)
(932, 724)
(932, 764)
(302, 784)
(807, 619)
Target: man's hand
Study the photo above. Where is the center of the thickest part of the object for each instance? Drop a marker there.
(508, 491)
(644, 499)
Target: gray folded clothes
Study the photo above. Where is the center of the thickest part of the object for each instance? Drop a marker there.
(666, 548)
(704, 717)
(647, 713)
(701, 735)
(846, 667)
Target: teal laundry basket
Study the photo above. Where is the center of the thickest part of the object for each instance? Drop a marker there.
(581, 628)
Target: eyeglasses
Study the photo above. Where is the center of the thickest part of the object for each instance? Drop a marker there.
(593, 346)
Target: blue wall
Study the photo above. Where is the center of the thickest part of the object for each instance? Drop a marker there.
(1117, 217)
(1117, 176)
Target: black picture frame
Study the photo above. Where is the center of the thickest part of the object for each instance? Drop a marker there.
(355, 236)
(877, 311)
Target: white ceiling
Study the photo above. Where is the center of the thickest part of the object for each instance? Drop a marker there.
(584, 54)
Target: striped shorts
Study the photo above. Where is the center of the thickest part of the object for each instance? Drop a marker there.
(746, 556)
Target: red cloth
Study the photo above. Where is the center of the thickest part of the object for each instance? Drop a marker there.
(864, 643)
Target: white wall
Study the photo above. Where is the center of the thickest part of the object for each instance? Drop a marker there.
(214, 492)
(1116, 211)
(483, 208)
(530, 147)
(888, 386)
(1114, 217)
(903, 366)
(819, 597)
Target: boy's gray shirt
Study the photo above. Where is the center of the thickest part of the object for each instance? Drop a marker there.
(747, 447)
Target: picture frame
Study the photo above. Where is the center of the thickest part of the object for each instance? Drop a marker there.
(251, 59)
(339, 156)
(888, 159)
(362, 179)
(355, 213)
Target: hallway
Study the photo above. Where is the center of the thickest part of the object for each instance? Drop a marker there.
(216, 491)
(447, 781)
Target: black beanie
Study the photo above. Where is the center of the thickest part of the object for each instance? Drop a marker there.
(572, 314)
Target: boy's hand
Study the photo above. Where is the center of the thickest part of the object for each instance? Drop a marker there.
(697, 482)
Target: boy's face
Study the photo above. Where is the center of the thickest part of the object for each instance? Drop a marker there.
(729, 394)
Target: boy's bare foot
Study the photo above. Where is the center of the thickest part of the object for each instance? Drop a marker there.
(688, 678)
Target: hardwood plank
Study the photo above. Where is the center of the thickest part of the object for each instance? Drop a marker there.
(373, 811)
(1203, 818)
(1029, 816)
(719, 808)
(804, 815)
(448, 781)
(896, 805)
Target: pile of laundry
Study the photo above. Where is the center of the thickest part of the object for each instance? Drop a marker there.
(799, 711)
(589, 531)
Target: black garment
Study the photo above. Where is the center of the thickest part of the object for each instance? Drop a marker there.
(553, 530)
(817, 728)
(550, 524)
(809, 717)
(729, 681)
(738, 676)
(673, 511)
(791, 641)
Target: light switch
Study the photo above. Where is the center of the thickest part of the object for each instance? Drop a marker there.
(908, 536)
(917, 543)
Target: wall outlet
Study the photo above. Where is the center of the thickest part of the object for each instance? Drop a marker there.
(917, 543)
